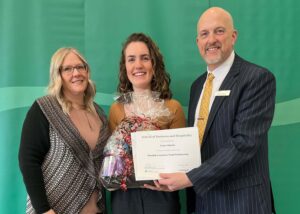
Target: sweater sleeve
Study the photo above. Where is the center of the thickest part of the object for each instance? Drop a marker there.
(35, 144)
(116, 114)
(179, 118)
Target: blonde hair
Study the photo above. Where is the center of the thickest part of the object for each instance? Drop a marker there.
(55, 84)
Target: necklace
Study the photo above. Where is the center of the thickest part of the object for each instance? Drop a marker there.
(87, 118)
(85, 112)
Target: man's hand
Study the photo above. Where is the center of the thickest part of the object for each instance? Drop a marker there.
(175, 181)
(157, 187)
(171, 182)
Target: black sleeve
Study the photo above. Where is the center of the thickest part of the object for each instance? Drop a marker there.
(34, 145)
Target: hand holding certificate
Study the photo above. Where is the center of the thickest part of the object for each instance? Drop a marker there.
(171, 150)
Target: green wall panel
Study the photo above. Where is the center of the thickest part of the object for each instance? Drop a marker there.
(30, 31)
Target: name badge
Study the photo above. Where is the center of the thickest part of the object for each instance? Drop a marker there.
(223, 93)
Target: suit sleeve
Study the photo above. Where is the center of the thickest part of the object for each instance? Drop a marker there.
(34, 146)
(252, 120)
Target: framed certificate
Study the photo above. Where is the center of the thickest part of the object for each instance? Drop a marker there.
(170, 150)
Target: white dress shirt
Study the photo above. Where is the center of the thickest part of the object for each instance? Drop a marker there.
(220, 73)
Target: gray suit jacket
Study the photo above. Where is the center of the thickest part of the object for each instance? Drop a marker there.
(234, 175)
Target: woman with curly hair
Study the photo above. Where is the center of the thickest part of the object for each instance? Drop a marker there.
(144, 88)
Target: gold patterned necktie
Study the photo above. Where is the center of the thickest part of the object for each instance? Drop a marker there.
(204, 106)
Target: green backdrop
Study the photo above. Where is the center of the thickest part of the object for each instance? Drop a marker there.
(30, 31)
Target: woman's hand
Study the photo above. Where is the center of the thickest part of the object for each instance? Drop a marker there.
(50, 212)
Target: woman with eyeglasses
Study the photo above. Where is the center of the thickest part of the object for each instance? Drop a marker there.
(62, 142)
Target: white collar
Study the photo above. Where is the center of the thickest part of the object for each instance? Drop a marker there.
(224, 68)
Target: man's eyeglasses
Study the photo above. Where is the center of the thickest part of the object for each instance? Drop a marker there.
(70, 69)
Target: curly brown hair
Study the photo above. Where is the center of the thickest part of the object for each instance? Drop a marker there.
(161, 78)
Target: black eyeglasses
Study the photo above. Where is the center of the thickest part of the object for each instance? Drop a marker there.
(70, 69)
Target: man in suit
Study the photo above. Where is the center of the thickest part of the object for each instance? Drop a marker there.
(234, 175)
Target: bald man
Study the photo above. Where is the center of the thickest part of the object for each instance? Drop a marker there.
(234, 175)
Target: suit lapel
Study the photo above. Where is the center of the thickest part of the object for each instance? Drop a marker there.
(227, 84)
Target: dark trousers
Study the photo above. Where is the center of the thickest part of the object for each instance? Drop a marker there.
(144, 201)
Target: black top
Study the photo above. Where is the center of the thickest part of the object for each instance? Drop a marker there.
(35, 143)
